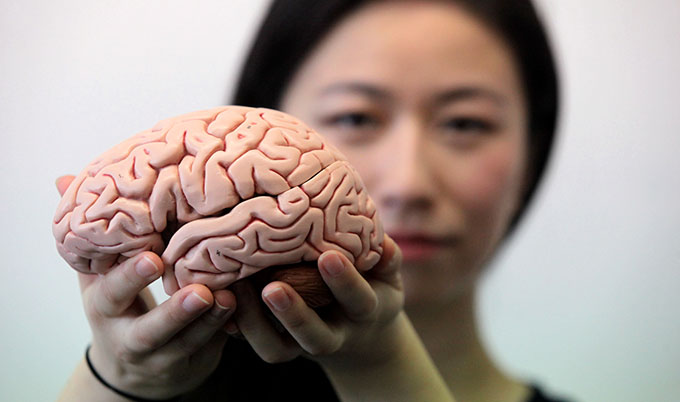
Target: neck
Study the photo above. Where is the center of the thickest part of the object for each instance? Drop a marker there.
(451, 335)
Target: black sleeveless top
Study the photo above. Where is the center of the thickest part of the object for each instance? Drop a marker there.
(252, 379)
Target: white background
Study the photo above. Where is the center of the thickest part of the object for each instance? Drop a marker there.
(586, 298)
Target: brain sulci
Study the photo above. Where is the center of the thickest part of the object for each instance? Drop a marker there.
(220, 194)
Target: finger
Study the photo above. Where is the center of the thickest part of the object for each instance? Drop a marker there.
(301, 322)
(387, 269)
(354, 294)
(385, 279)
(119, 288)
(231, 328)
(271, 345)
(209, 356)
(63, 182)
(157, 327)
(203, 329)
(170, 284)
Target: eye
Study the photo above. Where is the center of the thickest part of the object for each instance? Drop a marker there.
(352, 120)
(468, 125)
(352, 127)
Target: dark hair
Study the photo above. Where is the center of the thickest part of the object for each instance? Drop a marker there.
(292, 28)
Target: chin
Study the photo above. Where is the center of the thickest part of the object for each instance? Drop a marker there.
(437, 281)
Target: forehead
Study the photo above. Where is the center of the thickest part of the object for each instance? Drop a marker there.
(412, 43)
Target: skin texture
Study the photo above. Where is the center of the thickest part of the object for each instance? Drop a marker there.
(163, 351)
(135, 340)
(431, 173)
(433, 118)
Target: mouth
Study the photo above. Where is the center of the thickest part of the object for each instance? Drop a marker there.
(419, 246)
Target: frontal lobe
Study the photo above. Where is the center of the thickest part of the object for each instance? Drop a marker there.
(220, 194)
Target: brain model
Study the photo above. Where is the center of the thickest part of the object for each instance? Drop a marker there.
(220, 194)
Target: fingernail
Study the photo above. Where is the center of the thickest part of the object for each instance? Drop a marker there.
(278, 298)
(194, 302)
(232, 329)
(221, 310)
(146, 267)
(333, 265)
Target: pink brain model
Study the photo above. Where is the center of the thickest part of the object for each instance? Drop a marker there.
(222, 194)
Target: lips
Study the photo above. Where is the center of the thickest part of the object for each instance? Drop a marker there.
(420, 246)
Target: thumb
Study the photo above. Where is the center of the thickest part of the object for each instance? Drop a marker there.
(387, 269)
(63, 182)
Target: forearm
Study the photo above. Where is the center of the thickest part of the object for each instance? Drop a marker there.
(407, 375)
(82, 385)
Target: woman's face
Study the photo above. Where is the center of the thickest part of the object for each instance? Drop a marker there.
(427, 104)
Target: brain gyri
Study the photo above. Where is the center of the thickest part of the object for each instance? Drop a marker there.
(220, 194)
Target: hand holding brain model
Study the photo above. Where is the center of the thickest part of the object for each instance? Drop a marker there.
(221, 194)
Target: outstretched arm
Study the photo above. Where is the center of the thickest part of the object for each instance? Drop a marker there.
(144, 349)
(366, 344)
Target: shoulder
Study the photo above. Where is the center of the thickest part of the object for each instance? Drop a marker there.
(536, 394)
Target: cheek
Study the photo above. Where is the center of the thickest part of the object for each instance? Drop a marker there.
(488, 184)
(369, 162)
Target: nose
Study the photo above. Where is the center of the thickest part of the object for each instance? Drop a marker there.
(407, 186)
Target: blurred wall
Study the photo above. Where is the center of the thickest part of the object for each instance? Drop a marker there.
(585, 299)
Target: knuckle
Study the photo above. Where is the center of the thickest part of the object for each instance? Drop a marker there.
(91, 310)
(269, 356)
(142, 341)
(108, 299)
(397, 257)
(215, 318)
(185, 346)
(274, 356)
(322, 349)
(211, 321)
(368, 309)
(176, 315)
(125, 354)
(129, 274)
(315, 350)
(294, 322)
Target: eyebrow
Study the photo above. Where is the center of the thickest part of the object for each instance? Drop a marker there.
(363, 88)
(446, 96)
(470, 92)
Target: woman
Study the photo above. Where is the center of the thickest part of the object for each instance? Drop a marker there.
(447, 110)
